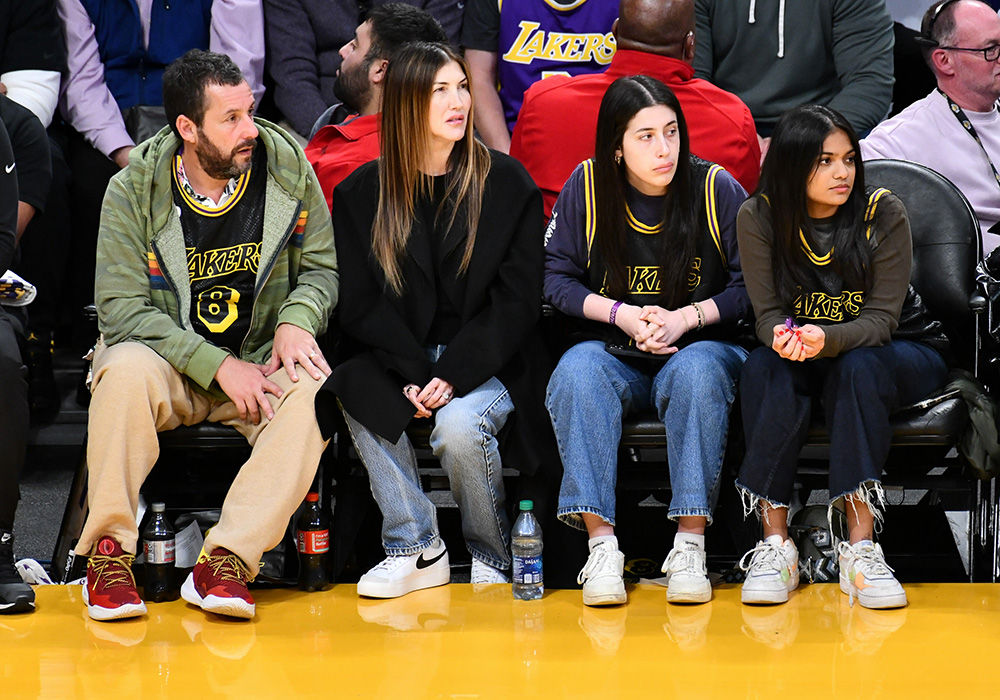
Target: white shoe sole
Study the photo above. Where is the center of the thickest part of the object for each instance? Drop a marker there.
(230, 607)
(613, 598)
(430, 578)
(691, 595)
(873, 602)
(764, 597)
(122, 612)
(768, 596)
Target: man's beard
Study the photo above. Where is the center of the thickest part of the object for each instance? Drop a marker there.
(215, 164)
(352, 87)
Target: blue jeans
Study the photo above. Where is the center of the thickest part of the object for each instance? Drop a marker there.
(856, 391)
(464, 439)
(591, 390)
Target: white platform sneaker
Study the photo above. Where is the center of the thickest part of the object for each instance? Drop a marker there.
(398, 575)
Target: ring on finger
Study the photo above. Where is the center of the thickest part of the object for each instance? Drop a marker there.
(446, 396)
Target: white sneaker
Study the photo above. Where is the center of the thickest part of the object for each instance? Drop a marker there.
(602, 574)
(398, 575)
(864, 573)
(484, 574)
(773, 571)
(687, 575)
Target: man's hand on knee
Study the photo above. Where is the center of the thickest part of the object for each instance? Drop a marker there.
(245, 384)
(294, 345)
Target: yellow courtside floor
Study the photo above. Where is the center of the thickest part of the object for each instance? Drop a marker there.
(453, 642)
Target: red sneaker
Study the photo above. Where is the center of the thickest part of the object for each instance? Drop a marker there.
(110, 592)
(219, 584)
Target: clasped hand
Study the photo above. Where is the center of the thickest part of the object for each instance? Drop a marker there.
(436, 394)
(798, 343)
(653, 328)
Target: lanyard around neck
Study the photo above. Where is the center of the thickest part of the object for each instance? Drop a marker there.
(967, 125)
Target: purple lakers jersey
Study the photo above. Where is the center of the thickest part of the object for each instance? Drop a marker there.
(539, 38)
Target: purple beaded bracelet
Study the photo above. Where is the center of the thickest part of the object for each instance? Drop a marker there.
(614, 312)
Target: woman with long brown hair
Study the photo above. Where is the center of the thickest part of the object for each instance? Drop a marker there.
(440, 254)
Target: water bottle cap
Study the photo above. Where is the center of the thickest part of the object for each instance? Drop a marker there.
(158, 508)
(312, 497)
(527, 505)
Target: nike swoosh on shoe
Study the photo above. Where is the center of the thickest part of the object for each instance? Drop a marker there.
(424, 563)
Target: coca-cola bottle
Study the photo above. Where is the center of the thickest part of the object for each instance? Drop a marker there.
(312, 534)
(158, 547)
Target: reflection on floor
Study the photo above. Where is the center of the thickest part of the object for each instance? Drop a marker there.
(455, 641)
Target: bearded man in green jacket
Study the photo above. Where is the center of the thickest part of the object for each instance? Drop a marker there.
(216, 270)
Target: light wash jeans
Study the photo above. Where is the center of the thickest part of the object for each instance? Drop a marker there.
(591, 390)
(464, 439)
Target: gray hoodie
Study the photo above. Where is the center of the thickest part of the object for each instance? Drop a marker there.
(779, 54)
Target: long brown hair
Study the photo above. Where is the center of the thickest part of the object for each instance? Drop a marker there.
(406, 96)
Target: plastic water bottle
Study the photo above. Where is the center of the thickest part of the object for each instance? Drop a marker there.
(158, 545)
(312, 535)
(526, 546)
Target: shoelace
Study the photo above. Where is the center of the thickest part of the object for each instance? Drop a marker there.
(687, 560)
(870, 558)
(389, 564)
(770, 558)
(596, 561)
(120, 573)
(230, 567)
(486, 574)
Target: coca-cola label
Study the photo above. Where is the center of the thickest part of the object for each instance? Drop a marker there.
(159, 552)
(314, 541)
(528, 570)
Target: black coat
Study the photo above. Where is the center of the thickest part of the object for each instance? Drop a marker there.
(499, 299)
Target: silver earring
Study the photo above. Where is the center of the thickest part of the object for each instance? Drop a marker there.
(618, 159)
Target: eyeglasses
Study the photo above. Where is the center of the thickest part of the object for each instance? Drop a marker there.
(990, 53)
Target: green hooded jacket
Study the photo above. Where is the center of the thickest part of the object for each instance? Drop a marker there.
(143, 290)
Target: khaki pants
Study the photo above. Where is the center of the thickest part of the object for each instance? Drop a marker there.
(136, 393)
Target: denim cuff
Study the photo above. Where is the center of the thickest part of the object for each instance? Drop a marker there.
(488, 559)
(411, 550)
(571, 516)
(675, 513)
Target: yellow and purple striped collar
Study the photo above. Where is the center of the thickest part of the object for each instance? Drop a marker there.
(204, 205)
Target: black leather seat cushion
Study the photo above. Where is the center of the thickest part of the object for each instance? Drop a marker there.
(202, 436)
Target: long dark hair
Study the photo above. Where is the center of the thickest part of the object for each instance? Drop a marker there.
(623, 100)
(796, 145)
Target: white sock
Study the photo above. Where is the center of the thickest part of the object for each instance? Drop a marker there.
(594, 541)
(682, 538)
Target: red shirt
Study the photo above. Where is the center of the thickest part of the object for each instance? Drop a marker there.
(558, 120)
(337, 151)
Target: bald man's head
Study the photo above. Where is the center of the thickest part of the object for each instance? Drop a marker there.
(662, 27)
